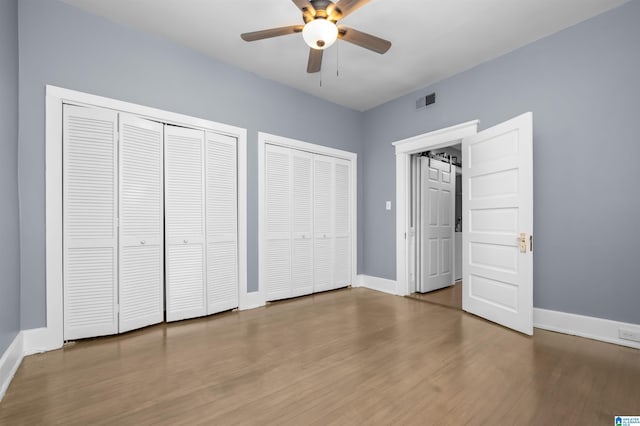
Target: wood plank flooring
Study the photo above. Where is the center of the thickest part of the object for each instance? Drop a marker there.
(449, 296)
(353, 356)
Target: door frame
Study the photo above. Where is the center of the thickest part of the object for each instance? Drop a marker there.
(51, 336)
(263, 140)
(404, 149)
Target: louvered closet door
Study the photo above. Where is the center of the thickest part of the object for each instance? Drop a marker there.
(141, 271)
(222, 213)
(276, 264)
(89, 222)
(323, 222)
(342, 223)
(302, 244)
(184, 223)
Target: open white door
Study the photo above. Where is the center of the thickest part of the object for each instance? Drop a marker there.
(437, 206)
(498, 224)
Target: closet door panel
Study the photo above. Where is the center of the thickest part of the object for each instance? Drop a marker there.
(323, 167)
(277, 256)
(342, 223)
(141, 272)
(90, 204)
(222, 213)
(302, 244)
(185, 223)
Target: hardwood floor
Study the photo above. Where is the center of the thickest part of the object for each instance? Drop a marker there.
(354, 356)
(449, 296)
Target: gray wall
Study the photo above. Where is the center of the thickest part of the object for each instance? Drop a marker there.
(9, 219)
(66, 47)
(583, 88)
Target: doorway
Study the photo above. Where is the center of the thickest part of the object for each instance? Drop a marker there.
(436, 225)
(497, 211)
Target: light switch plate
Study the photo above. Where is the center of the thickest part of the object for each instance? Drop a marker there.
(388, 205)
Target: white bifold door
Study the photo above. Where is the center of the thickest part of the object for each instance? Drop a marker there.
(436, 238)
(288, 257)
(141, 249)
(222, 225)
(185, 222)
(90, 232)
(145, 203)
(113, 275)
(201, 223)
(307, 223)
(332, 226)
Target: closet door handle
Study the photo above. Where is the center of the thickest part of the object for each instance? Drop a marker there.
(186, 241)
(143, 242)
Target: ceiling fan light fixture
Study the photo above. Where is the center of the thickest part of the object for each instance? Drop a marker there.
(320, 33)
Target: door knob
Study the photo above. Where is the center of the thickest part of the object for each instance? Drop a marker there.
(186, 241)
(143, 242)
(523, 242)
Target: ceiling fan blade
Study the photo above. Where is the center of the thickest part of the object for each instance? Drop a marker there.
(343, 8)
(272, 32)
(365, 40)
(315, 61)
(306, 7)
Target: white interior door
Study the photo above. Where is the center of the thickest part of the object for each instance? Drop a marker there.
(276, 263)
(90, 236)
(184, 223)
(323, 200)
(302, 244)
(222, 223)
(497, 209)
(437, 207)
(141, 254)
(342, 223)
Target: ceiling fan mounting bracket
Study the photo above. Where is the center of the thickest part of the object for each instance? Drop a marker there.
(324, 10)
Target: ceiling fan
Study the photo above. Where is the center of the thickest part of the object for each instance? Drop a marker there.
(320, 29)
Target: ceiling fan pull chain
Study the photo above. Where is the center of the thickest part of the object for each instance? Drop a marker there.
(338, 58)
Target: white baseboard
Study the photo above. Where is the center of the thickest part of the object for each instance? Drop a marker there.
(38, 340)
(379, 284)
(251, 301)
(583, 326)
(9, 363)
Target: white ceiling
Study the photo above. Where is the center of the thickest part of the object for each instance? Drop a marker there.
(432, 39)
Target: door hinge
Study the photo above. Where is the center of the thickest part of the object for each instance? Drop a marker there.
(531, 243)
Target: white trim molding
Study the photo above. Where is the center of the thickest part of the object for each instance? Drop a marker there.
(579, 325)
(404, 149)
(251, 300)
(378, 284)
(9, 363)
(266, 138)
(51, 336)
